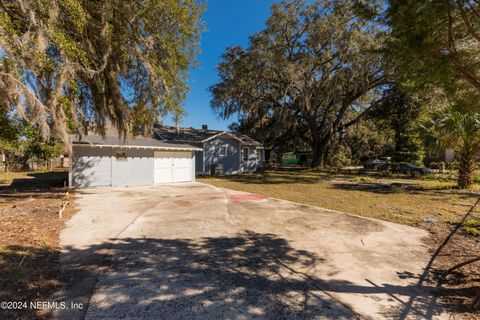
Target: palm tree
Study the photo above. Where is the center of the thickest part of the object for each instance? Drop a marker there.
(460, 130)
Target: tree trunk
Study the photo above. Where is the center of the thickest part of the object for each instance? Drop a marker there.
(318, 156)
(267, 155)
(6, 164)
(466, 169)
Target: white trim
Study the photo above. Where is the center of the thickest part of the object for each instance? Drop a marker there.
(220, 134)
(137, 147)
(224, 147)
(248, 153)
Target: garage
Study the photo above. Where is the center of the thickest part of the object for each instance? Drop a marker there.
(173, 167)
(112, 162)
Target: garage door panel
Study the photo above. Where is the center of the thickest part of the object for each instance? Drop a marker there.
(182, 162)
(163, 175)
(163, 162)
(173, 167)
(181, 174)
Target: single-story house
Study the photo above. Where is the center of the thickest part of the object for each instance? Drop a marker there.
(98, 161)
(439, 154)
(236, 153)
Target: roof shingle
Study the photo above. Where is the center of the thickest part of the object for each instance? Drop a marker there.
(190, 135)
(153, 142)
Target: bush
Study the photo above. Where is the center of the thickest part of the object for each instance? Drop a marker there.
(361, 179)
(453, 165)
(433, 165)
(340, 159)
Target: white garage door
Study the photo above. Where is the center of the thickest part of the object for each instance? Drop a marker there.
(173, 167)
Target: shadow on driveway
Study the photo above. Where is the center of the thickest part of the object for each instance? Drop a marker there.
(222, 277)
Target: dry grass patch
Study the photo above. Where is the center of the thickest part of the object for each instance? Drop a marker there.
(29, 238)
(398, 199)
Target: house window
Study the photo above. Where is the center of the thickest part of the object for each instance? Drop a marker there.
(122, 155)
(245, 154)
(434, 153)
(222, 151)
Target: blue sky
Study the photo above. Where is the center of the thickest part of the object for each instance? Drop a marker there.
(228, 23)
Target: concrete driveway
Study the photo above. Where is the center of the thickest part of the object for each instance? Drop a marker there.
(195, 251)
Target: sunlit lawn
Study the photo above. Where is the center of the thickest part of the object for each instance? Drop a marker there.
(395, 198)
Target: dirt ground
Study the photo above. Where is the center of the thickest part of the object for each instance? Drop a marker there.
(462, 286)
(29, 232)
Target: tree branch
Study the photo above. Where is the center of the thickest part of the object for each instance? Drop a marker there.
(467, 21)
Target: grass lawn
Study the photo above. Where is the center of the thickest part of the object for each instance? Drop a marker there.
(432, 203)
(398, 199)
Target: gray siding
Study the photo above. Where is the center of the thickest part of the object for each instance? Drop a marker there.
(135, 170)
(256, 157)
(198, 161)
(233, 162)
(99, 167)
(91, 167)
(230, 161)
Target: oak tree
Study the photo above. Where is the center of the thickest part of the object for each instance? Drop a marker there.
(312, 65)
(64, 63)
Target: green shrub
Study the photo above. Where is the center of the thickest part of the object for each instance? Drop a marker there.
(453, 165)
(433, 165)
(340, 159)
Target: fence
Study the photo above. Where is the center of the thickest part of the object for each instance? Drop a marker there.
(16, 166)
